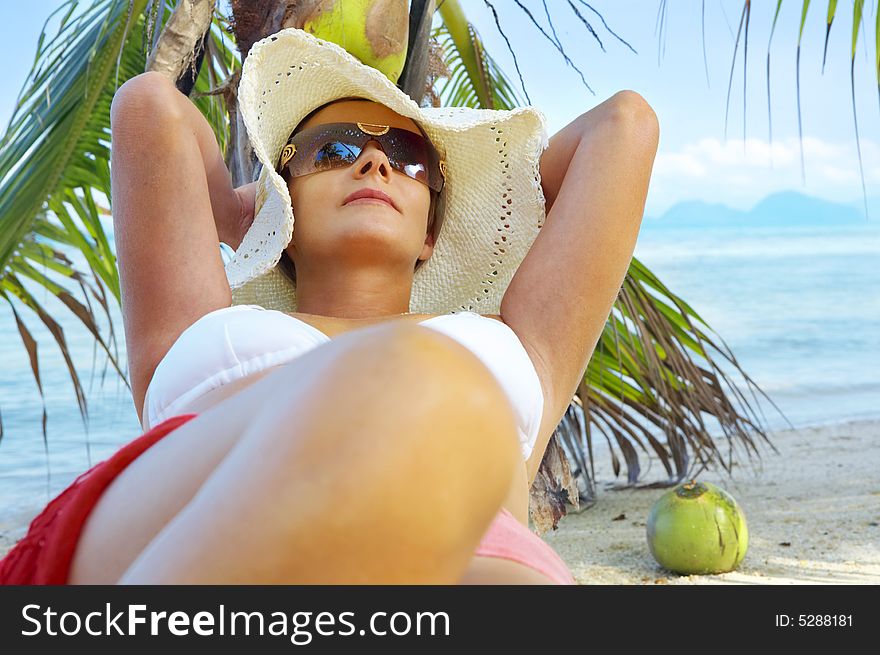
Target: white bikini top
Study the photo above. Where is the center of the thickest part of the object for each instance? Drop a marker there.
(231, 343)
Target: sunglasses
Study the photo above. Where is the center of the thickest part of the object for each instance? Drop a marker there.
(337, 145)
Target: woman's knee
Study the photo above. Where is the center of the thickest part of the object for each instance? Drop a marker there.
(406, 367)
(435, 360)
(401, 403)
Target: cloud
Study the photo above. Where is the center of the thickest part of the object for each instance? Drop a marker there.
(739, 173)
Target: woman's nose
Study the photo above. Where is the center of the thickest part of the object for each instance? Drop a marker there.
(372, 159)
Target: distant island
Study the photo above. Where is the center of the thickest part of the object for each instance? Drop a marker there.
(777, 209)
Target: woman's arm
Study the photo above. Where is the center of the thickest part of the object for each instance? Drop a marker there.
(170, 189)
(595, 174)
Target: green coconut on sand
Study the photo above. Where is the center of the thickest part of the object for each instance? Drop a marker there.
(697, 527)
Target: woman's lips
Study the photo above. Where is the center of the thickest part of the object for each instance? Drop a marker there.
(377, 201)
(370, 195)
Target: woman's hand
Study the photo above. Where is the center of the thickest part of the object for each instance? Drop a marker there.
(233, 234)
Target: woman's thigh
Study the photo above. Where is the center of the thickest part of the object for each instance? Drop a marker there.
(157, 485)
(150, 491)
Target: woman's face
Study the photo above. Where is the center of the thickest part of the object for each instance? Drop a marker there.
(327, 227)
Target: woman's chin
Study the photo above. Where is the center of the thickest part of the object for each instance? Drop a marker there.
(372, 232)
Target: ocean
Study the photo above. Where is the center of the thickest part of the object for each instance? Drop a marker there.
(798, 306)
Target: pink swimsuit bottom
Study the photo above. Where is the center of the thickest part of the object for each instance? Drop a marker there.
(44, 555)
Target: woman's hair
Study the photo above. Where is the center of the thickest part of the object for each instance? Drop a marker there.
(435, 210)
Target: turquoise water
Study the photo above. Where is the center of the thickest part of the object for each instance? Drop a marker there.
(799, 307)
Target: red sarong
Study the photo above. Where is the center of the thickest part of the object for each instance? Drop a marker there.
(44, 555)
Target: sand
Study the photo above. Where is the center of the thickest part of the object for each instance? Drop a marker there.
(813, 513)
(820, 495)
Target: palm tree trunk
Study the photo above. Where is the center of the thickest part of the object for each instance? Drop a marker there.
(181, 45)
(413, 79)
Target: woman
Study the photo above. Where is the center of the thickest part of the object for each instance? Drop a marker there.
(351, 440)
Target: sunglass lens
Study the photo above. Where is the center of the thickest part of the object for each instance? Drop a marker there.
(416, 172)
(412, 155)
(333, 154)
(326, 147)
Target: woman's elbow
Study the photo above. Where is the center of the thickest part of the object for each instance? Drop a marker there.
(632, 110)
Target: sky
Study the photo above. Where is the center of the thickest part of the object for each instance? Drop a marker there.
(696, 160)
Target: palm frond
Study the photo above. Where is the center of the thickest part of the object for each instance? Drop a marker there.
(475, 80)
(554, 40)
(703, 36)
(857, 19)
(55, 174)
(743, 18)
(604, 24)
(806, 7)
(54, 164)
(829, 19)
(877, 47)
(769, 41)
(830, 14)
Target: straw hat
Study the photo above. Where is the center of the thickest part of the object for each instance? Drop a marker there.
(494, 204)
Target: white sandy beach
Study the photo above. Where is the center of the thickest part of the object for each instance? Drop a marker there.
(821, 495)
